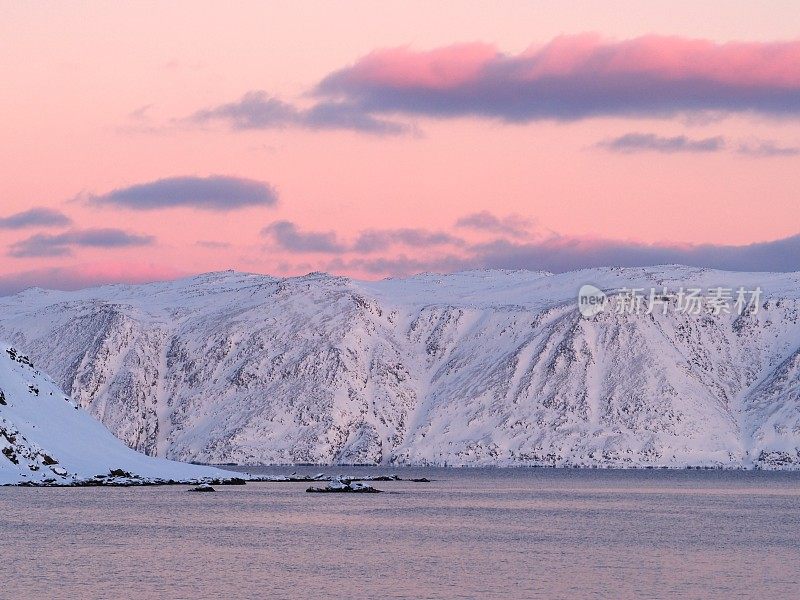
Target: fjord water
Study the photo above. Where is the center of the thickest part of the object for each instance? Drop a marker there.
(499, 533)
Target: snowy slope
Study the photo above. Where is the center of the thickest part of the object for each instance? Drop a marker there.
(481, 367)
(45, 436)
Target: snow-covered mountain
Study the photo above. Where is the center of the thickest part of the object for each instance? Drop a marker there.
(46, 438)
(481, 367)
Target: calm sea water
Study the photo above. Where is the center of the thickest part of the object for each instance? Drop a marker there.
(515, 533)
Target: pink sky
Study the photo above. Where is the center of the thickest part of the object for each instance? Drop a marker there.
(624, 130)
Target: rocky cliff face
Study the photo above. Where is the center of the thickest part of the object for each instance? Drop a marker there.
(485, 367)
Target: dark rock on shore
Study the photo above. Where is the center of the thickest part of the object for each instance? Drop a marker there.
(344, 487)
(204, 487)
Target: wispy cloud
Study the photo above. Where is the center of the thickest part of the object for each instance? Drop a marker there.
(217, 193)
(140, 114)
(84, 275)
(35, 217)
(512, 225)
(288, 236)
(561, 254)
(650, 142)
(213, 245)
(258, 110)
(400, 264)
(767, 149)
(381, 239)
(62, 244)
(514, 249)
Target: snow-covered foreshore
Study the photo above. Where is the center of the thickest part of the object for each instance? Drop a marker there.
(47, 440)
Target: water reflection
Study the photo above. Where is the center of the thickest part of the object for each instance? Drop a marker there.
(532, 533)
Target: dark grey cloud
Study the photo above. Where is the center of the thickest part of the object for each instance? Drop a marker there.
(287, 235)
(217, 193)
(512, 225)
(35, 217)
(650, 142)
(767, 149)
(258, 110)
(62, 244)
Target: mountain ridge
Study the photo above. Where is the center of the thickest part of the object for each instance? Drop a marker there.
(470, 368)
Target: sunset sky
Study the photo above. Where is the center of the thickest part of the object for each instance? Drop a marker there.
(143, 141)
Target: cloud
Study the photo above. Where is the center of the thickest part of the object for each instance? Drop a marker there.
(62, 244)
(341, 115)
(85, 275)
(286, 235)
(255, 110)
(441, 251)
(380, 239)
(35, 217)
(650, 142)
(512, 225)
(211, 244)
(289, 237)
(767, 149)
(567, 254)
(217, 193)
(140, 114)
(401, 265)
(258, 110)
(575, 77)
(559, 255)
